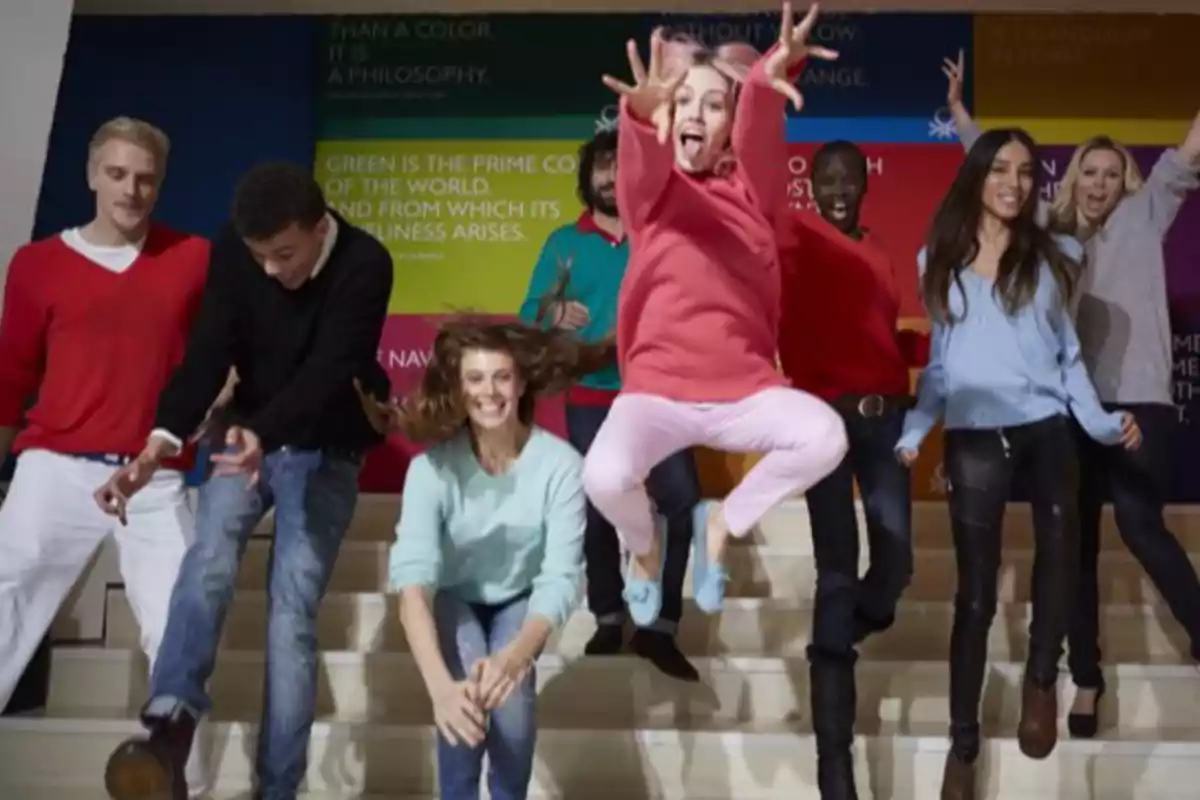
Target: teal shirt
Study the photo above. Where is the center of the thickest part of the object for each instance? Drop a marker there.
(489, 538)
(597, 266)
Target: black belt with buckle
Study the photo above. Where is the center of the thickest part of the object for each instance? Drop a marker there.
(870, 406)
(111, 459)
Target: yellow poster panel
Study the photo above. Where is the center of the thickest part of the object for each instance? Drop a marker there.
(464, 220)
(1073, 131)
(1066, 66)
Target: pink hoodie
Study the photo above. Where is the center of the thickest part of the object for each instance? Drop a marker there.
(698, 313)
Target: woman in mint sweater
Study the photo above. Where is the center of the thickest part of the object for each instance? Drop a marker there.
(488, 556)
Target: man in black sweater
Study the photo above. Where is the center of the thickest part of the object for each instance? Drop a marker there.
(295, 300)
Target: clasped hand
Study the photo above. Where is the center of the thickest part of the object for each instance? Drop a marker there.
(460, 708)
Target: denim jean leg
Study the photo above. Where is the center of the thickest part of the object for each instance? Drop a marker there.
(674, 486)
(886, 488)
(1140, 481)
(227, 513)
(835, 547)
(601, 547)
(512, 734)
(315, 497)
(463, 641)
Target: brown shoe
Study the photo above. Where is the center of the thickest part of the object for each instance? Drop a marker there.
(1037, 733)
(958, 781)
(152, 768)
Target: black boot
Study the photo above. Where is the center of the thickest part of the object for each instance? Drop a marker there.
(608, 640)
(152, 768)
(661, 650)
(834, 702)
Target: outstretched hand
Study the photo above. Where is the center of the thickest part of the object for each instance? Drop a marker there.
(384, 417)
(653, 92)
(793, 48)
(955, 72)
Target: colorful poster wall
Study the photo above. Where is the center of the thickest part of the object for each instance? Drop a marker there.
(454, 140)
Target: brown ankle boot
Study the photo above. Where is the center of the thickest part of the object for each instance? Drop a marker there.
(1037, 733)
(152, 768)
(958, 780)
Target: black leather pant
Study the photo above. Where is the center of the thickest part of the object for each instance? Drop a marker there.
(981, 466)
(1138, 483)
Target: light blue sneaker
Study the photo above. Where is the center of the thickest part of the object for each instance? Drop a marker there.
(644, 597)
(708, 580)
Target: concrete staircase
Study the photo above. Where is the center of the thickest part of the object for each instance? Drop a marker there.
(615, 728)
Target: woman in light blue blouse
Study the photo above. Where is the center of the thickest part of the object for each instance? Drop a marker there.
(1005, 372)
(488, 555)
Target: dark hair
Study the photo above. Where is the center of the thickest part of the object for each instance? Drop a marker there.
(604, 144)
(839, 148)
(953, 241)
(272, 197)
(548, 361)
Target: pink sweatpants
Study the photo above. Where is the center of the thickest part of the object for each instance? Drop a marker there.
(803, 439)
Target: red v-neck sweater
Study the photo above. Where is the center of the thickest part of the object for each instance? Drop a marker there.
(698, 313)
(96, 347)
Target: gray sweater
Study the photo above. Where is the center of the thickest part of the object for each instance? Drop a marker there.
(1122, 313)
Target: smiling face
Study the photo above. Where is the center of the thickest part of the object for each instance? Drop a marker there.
(703, 113)
(1100, 186)
(1009, 182)
(491, 389)
(839, 182)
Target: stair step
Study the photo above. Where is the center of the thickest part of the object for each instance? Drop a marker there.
(626, 692)
(762, 571)
(747, 626)
(787, 525)
(742, 761)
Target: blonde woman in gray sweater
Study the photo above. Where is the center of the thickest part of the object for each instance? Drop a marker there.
(1124, 327)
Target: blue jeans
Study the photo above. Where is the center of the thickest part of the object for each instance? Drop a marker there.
(314, 497)
(468, 632)
(848, 608)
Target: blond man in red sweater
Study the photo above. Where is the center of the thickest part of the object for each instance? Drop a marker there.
(95, 319)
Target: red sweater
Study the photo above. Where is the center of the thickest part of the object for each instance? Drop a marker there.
(95, 346)
(698, 313)
(840, 308)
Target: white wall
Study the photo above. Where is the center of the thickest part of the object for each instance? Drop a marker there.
(33, 40)
(475, 6)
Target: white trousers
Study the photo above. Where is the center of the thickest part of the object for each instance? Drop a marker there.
(49, 528)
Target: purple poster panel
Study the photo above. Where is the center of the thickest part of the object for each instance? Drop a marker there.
(1183, 282)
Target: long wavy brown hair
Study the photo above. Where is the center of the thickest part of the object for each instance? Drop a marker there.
(547, 361)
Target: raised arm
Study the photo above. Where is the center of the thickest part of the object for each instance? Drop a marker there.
(1172, 179)
(760, 123)
(22, 344)
(645, 157)
(955, 72)
(759, 138)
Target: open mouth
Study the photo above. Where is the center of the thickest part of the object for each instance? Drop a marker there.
(839, 210)
(692, 143)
